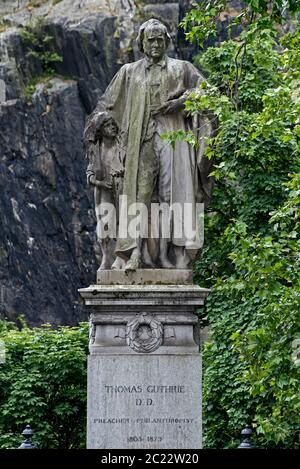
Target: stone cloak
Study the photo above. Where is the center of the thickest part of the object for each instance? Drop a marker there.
(126, 100)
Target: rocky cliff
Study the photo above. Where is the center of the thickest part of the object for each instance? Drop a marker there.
(56, 58)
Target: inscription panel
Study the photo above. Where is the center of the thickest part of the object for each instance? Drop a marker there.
(144, 401)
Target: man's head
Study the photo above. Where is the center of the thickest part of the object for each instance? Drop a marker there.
(153, 39)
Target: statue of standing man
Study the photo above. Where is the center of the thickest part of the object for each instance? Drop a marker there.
(146, 99)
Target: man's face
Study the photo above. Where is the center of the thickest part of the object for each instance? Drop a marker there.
(154, 44)
(109, 129)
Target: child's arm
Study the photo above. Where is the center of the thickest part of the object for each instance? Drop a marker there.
(101, 184)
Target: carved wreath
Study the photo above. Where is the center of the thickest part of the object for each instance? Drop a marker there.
(144, 334)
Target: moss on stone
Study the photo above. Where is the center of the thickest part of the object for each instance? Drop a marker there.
(45, 80)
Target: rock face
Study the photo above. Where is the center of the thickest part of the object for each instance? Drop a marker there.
(47, 226)
(48, 245)
(56, 58)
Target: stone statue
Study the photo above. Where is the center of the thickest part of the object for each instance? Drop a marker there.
(146, 99)
(104, 173)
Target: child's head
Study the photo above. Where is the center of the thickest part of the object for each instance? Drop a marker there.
(107, 127)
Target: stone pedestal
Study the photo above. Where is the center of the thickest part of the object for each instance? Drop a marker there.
(144, 368)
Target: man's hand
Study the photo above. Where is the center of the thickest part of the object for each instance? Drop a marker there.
(174, 105)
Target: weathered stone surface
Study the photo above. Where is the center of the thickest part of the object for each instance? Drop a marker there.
(167, 12)
(46, 223)
(152, 401)
(2, 91)
(105, 295)
(114, 307)
(144, 368)
(145, 276)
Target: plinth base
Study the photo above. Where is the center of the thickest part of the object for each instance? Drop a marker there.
(144, 370)
(145, 277)
(151, 401)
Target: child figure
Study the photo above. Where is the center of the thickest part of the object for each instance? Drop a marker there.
(101, 173)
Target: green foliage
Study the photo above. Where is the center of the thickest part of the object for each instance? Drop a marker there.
(43, 383)
(36, 3)
(255, 318)
(172, 137)
(202, 21)
(39, 46)
(251, 251)
(30, 88)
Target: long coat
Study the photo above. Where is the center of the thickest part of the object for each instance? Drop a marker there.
(127, 99)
